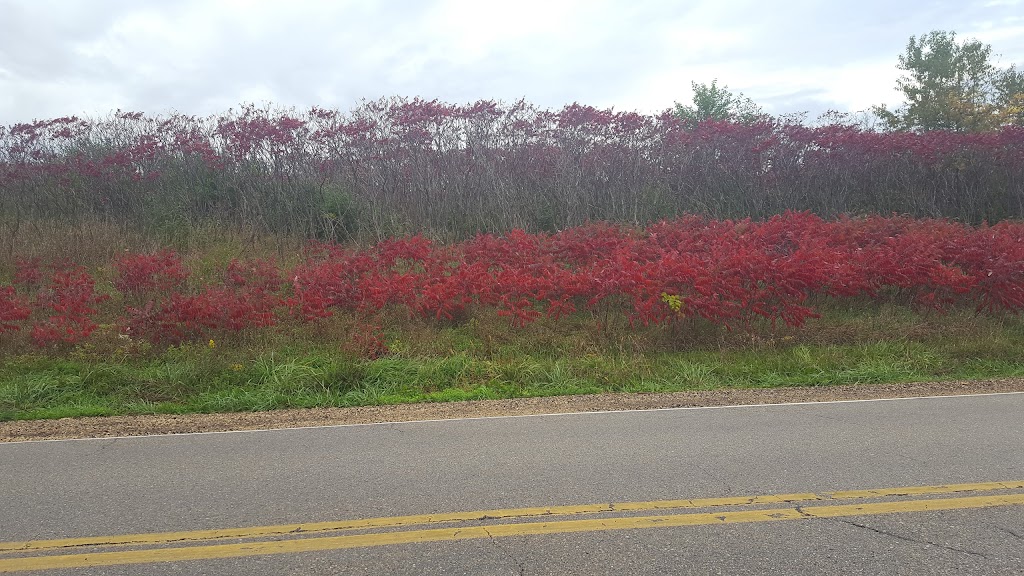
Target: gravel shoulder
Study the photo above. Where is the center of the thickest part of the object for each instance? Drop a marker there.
(108, 426)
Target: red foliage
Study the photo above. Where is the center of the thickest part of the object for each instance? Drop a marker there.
(27, 273)
(397, 151)
(12, 310)
(727, 272)
(367, 341)
(724, 271)
(254, 275)
(143, 273)
(248, 298)
(70, 299)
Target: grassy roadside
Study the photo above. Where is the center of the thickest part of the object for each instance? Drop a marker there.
(860, 342)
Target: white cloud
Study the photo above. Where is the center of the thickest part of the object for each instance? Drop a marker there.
(465, 31)
(202, 56)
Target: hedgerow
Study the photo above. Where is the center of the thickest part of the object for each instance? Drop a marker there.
(728, 272)
(396, 167)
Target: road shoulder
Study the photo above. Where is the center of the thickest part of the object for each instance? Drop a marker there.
(108, 426)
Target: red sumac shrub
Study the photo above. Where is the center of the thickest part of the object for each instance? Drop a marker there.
(27, 273)
(12, 310)
(143, 273)
(70, 299)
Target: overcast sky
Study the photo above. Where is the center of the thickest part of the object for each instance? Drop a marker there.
(63, 57)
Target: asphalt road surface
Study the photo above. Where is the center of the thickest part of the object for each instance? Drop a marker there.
(914, 486)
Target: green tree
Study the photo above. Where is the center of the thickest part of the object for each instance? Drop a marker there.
(713, 102)
(951, 85)
(1010, 96)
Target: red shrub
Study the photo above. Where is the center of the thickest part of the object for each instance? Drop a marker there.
(728, 272)
(70, 298)
(27, 273)
(248, 299)
(254, 275)
(143, 273)
(12, 310)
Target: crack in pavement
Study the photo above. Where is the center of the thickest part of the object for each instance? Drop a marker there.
(520, 564)
(1008, 531)
(909, 539)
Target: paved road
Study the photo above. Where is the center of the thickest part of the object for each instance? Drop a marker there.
(553, 478)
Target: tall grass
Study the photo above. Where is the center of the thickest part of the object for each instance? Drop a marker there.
(879, 343)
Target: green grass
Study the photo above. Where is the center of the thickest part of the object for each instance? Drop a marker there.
(862, 343)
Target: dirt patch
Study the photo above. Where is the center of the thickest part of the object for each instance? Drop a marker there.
(98, 427)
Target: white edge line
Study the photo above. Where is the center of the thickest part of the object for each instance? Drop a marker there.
(508, 416)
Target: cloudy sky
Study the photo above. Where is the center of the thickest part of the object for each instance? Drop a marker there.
(63, 57)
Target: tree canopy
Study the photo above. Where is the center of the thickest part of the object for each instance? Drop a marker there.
(952, 85)
(713, 102)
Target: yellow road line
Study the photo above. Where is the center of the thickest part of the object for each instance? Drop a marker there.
(425, 519)
(496, 531)
(916, 490)
(394, 522)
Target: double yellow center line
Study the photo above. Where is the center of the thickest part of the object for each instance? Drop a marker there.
(292, 538)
